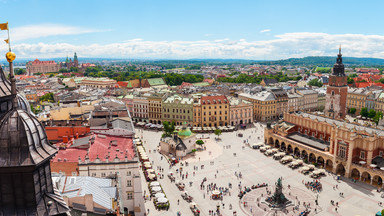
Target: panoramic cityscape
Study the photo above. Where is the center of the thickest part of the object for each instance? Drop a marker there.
(219, 108)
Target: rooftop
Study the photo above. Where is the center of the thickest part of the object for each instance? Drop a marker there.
(261, 96)
(102, 146)
(341, 123)
(310, 141)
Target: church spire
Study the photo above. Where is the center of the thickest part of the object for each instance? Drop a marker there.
(10, 57)
(338, 67)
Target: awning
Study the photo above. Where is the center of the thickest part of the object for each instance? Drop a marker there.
(160, 195)
(155, 183)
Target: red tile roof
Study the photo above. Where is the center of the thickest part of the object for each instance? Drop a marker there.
(100, 148)
(218, 99)
(22, 77)
(210, 81)
(362, 84)
(38, 62)
(122, 84)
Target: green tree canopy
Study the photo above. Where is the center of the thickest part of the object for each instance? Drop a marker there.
(47, 97)
(378, 116)
(315, 82)
(352, 110)
(217, 132)
(371, 113)
(364, 112)
(350, 80)
(20, 71)
(199, 142)
(168, 128)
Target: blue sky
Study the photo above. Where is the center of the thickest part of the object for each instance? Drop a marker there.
(193, 29)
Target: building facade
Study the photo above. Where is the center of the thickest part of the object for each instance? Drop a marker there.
(240, 111)
(177, 108)
(346, 149)
(294, 101)
(264, 105)
(310, 100)
(281, 98)
(38, 66)
(215, 111)
(154, 109)
(101, 82)
(379, 103)
(371, 99)
(140, 109)
(357, 98)
(197, 116)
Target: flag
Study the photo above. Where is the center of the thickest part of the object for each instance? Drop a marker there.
(3, 26)
(6, 41)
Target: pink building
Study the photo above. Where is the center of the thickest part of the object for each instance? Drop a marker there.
(38, 66)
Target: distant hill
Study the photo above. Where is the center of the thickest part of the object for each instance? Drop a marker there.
(327, 61)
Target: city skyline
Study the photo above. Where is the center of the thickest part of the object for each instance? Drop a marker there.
(172, 30)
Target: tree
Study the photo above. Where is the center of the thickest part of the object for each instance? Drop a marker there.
(378, 116)
(218, 132)
(315, 82)
(350, 80)
(63, 70)
(193, 151)
(364, 112)
(371, 113)
(74, 69)
(199, 142)
(352, 111)
(47, 97)
(20, 71)
(168, 128)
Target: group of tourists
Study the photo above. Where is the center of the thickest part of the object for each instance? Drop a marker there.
(314, 185)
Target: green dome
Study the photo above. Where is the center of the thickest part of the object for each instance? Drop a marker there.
(185, 132)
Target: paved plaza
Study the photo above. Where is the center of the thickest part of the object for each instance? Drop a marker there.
(220, 164)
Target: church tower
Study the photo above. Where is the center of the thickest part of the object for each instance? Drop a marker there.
(337, 90)
(75, 61)
(26, 186)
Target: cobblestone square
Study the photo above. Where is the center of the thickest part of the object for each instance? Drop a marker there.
(230, 155)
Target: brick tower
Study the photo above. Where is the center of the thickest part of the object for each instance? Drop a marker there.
(337, 90)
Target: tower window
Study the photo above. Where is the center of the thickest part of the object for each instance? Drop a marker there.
(333, 93)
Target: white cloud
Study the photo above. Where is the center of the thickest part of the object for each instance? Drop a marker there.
(45, 30)
(265, 30)
(288, 45)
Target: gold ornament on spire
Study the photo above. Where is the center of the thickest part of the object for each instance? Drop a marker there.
(10, 56)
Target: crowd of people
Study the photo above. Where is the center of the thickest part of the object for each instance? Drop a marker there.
(314, 185)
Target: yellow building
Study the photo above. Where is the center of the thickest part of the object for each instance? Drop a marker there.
(264, 105)
(214, 110)
(357, 98)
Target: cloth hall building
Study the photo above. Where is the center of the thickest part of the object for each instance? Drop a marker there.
(328, 141)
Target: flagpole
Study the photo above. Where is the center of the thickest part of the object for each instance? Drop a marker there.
(9, 39)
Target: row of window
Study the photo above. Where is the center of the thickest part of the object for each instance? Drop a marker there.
(177, 116)
(209, 107)
(176, 110)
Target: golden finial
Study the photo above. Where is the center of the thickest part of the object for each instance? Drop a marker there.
(340, 48)
(10, 56)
